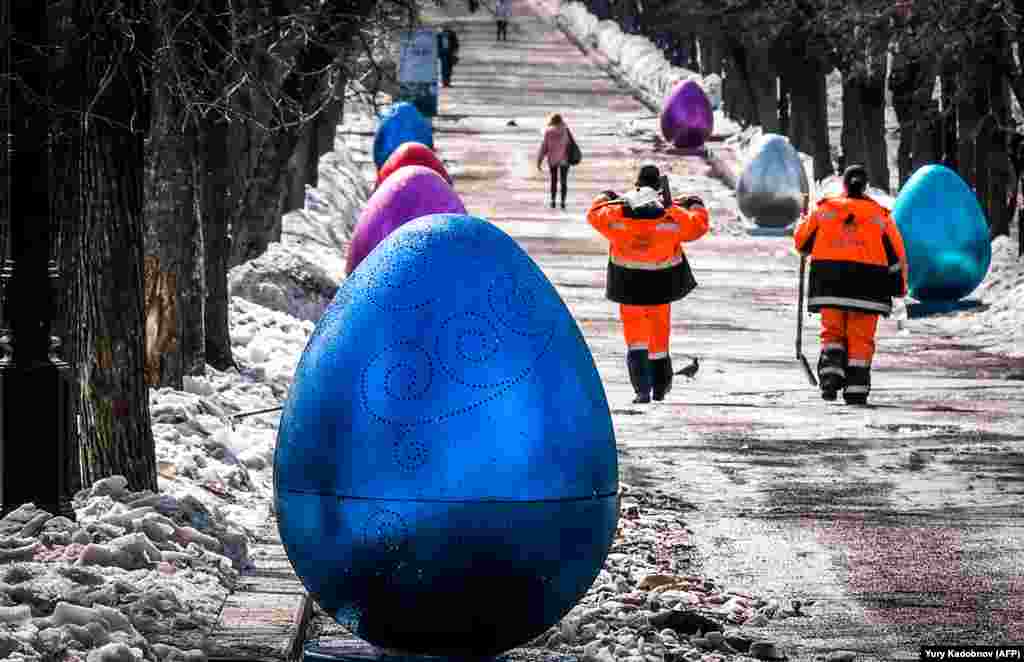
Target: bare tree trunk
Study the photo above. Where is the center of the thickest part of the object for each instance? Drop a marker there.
(994, 176)
(215, 201)
(257, 219)
(174, 276)
(863, 135)
(784, 118)
(737, 91)
(763, 74)
(902, 88)
(711, 55)
(809, 113)
(117, 437)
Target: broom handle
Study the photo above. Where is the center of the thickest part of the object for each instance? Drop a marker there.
(800, 308)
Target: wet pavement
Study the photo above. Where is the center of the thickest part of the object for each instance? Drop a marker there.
(896, 525)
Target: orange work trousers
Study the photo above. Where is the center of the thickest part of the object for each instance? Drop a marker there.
(852, 330)
(647, 327)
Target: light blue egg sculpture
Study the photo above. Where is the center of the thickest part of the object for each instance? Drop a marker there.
(445, 476)
(945, 235)
(400, 123)
(773, 183)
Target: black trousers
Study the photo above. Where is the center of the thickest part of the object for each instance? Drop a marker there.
(559, 172)
(447, 62)
(502, 30)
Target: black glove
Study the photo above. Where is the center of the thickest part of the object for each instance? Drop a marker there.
(692, 201)
(611, 195)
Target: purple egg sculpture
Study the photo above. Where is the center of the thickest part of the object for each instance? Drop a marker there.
(686, 117)
(410, 192)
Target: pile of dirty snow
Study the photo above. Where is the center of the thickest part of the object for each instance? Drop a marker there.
(999, 326)
(648, 605)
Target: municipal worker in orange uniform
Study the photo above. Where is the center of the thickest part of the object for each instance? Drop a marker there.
(858, 264)
(647, 271)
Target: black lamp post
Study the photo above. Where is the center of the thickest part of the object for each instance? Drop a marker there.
(38, 440)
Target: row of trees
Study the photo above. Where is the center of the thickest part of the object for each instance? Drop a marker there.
(951, 68)
(178, 133)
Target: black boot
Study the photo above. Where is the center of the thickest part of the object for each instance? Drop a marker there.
(661, 377)
(639, 365)
(858, 385)
(832, 372)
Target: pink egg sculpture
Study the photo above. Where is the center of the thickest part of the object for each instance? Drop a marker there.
(412, 153)
(686, 116)
(410, 192)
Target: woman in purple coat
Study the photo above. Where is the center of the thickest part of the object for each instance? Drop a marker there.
(556, 148)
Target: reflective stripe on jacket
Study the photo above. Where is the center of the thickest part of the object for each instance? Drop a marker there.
(646, 263)
(857, 257)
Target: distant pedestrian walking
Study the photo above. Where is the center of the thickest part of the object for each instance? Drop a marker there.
(447, 53)
(555, 146)
(502, 12)
(647, 271)
(858, 264)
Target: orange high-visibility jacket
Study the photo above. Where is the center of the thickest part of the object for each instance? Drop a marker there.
(646, 263)
(858, 261)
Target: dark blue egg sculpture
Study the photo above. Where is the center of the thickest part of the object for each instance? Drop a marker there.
(400, 123)
(944, 233)
(446, 478)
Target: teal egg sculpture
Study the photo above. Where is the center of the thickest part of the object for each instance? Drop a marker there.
(445, 477)
(945, 235)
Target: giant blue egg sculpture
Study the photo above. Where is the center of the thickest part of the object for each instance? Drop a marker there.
(773, 183)
(400, 123)
(445, 476)
(944, 233)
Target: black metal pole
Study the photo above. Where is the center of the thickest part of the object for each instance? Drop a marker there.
(38, 442)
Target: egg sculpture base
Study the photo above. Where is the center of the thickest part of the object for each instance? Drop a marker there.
(917, 310)
(446, 441)
(359, 651)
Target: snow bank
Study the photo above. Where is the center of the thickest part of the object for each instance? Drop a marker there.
(638, 60)
(999, 326)
(300, 274)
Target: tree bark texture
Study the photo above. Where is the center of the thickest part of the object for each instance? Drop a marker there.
(784, 118)
(317, 139)
(912, 83)
(215, 201)
(117, 436)
(711, 55)
(174, 273)
(737, 92)
(257, 220)
(809, 112)
(863, 136)
(985, 163)
(763, 76)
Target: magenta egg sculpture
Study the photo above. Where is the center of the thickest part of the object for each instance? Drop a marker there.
(407, 194)
(686, 116)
